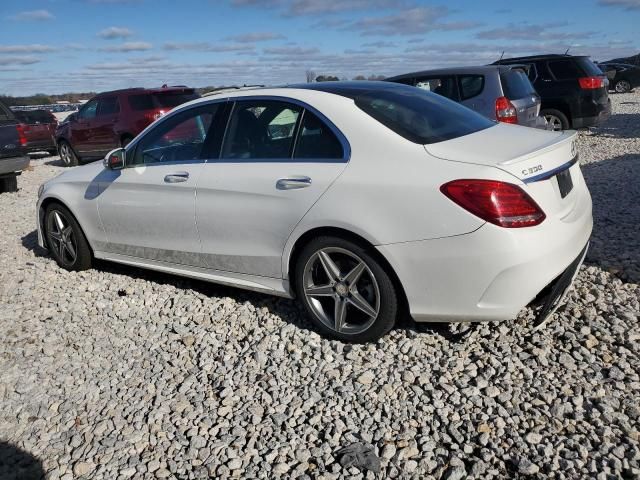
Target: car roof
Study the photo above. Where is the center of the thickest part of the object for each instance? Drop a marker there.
(538, 57)
(142, 90)
(456, 70)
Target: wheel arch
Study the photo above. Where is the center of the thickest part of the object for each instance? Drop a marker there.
(41, 218)
(307, 236)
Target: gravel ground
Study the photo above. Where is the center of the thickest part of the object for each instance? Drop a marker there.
(121, 373)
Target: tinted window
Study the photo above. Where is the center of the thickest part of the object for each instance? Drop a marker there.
(419, 116)
(470, 85)
(516, 85)
(316, 140)
(168, 100)
(588, 66)
(89, 110)
(445, 86)
(179, 138)
(565, 70)
(261, 129)
(5, 113)
(108, 106)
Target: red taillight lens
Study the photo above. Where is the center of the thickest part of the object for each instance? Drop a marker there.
(500, 203)
(22, 138)
(505, 111)
(591, 83)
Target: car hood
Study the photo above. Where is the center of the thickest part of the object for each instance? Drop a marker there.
(521, 151)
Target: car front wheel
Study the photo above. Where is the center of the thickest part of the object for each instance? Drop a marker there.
(345, 289)
(67, 155)
(65, 239)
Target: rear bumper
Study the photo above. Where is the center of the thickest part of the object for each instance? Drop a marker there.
(489, 274)
(13, 165)
(603, 112)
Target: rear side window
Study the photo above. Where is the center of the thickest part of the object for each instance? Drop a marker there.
(470, 86)
(317, 140)
(516, 85)
(108, 106)
(445, 86)
(421, 117)
(261, 129)
(161, 100)
(589, 68)
(565, 70)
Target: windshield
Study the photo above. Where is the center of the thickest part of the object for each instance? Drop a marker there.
(419, 116)
(516, 84)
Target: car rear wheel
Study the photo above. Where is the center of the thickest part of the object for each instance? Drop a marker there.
(556, 119)
(67, 155)
(66, 241)
(622, 86)
(346, 291)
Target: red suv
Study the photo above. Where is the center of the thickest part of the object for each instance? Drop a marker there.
(112, 119)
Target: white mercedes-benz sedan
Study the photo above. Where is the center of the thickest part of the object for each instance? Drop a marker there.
(361, 199)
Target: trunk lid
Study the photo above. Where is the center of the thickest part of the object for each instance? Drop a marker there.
(546, 162)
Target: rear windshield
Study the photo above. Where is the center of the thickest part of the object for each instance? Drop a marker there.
(35, 116)
(420, 116)
(5, 113)
(516, 84)
(588, 66)
(168, 100)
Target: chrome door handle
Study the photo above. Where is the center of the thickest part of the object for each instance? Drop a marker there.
(293, 183)
(176, 177)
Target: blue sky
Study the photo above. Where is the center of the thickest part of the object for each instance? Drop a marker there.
(56, 46)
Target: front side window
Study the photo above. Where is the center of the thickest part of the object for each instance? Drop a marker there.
(89, 110)
(108, 106)
(316, 140)
(470, 86)
(180, 138)
(419, 116)
(445, 86)
(261, 129)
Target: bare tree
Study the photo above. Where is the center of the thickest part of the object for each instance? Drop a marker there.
(359, 77)
(311, 76)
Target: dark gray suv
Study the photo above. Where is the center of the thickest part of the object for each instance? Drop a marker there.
(502, 93)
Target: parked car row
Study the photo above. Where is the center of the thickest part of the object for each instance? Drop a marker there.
(622, 76)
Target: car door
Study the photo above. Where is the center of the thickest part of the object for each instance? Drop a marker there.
(276, 161)
(103, 133)
(148, 207)
(81, 129)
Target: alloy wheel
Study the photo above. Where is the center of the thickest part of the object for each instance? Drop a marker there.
(65, 153)
(62, 239)
(555, 122)
(341, 290)
(623, 86)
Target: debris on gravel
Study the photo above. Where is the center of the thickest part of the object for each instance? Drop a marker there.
(122, 373)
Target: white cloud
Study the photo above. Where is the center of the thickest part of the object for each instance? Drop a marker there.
(112, 33)
(37, 15)
(129, 47)
(626, 4)
(33, 48)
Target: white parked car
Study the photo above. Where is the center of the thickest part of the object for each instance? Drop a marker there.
(360, 199)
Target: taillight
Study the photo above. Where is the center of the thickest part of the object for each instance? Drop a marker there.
(153, 116)
(22, 138)
(505, 111)
(500, 203)
(591, 83)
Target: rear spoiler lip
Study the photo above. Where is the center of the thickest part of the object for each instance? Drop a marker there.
(564, 137)
(552, 172)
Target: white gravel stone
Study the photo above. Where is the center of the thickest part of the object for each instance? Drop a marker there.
(117, 372)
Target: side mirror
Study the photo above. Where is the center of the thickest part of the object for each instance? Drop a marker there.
(115, 159)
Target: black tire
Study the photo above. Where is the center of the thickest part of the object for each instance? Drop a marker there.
(67, 154)
(622, 86)
(552, 113)
(9, 184)
(63, 256)
(125, 140)
(388, 298)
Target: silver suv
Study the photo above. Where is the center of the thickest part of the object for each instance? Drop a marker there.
(500, 92)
